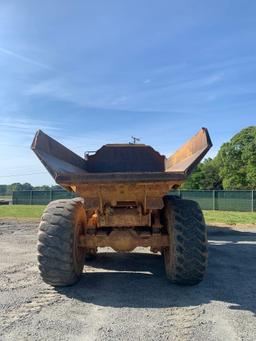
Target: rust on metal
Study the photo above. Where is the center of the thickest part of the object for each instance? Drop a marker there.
(190, 154)
(123, 186)
(124, 240)
(120, 163)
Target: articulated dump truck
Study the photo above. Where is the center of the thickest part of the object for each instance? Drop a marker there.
(123, 203)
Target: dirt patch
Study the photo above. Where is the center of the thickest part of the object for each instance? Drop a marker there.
(236, 227)
(126, 296)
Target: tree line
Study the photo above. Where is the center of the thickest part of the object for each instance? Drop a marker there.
(8, 189)
(234, 167)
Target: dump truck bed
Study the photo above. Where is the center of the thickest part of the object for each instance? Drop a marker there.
(120, 162)
(119, 173)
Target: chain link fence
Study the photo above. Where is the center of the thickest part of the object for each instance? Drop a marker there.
(244, 200)
(39, 197)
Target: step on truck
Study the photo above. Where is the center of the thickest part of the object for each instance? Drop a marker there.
(123, 202)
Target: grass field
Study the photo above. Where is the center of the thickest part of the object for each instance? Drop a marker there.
(230, 218)
(225, 217)
(21, 211)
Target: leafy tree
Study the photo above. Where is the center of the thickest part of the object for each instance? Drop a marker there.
(194, 180)
(14, 187)
(237, 160)
(211, 177)
(8, 189)
(27, 187)
(42, 188)
(56, 187)
(205, 176)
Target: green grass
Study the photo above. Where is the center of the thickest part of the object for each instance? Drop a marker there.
(225, 217)
(230, 218)
(21, 211)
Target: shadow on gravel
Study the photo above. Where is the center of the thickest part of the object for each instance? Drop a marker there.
(138, 279)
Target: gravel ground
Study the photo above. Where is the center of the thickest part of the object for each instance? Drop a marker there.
(126, 296)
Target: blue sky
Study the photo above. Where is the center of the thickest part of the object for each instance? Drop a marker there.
(92, 72)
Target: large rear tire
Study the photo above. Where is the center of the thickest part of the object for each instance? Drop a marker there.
(186, 257)
(60, 258)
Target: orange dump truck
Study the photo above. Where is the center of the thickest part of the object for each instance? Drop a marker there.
(122, 204)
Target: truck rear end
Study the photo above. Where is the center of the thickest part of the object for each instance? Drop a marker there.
(122, 204)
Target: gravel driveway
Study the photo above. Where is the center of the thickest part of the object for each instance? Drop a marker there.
(126, 296)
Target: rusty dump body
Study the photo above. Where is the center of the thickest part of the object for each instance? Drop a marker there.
(123, 186)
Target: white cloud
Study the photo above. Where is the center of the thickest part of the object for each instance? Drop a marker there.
(24, 59)
(24, 125)
(85, 95)
(20, 164)
(147, 81)
(119, 100)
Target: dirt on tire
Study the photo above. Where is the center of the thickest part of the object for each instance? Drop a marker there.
(186, 257)
(60, 262)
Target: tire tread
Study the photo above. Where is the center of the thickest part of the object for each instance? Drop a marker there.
(186, 227)
(55, 243)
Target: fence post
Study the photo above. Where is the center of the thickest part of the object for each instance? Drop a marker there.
(213, 200)
(252, 201)
(30, 198)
